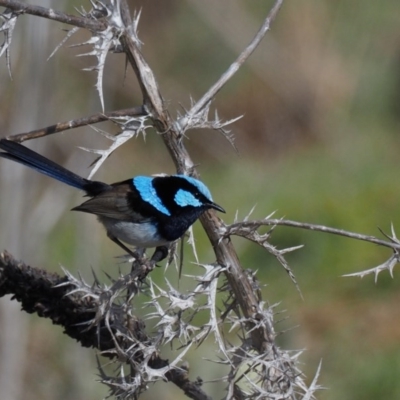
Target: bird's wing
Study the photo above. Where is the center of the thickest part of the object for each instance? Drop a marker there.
(115, 203)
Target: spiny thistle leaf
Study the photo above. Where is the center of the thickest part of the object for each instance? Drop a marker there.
(9, 19)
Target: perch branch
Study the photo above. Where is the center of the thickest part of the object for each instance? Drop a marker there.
(52, 296)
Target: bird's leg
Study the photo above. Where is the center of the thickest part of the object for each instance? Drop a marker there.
(131, 280)
(142, 267)
(120, 244)
(159, 254)
(140, 263)
(137, 254)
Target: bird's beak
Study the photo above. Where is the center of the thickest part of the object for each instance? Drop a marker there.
(216, 207)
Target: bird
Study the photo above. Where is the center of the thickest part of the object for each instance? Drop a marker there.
(144, 211)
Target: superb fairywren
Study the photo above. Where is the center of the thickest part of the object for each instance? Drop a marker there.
(142, 211)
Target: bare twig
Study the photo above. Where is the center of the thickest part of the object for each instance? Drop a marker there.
(388, 265)
(239, 227)
(211, 93)
(76, 123)
(49, 13)
(248, 230)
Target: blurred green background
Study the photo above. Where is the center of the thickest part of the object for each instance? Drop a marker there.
(318, 143)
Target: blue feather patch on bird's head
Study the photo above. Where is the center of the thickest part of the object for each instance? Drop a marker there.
(144, 185)
(198, 184)
(184, 198)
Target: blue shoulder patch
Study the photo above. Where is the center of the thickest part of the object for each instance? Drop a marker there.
(199, 185)
(144, 185)
(184, 198)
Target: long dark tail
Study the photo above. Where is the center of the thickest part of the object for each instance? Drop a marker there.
(22, 155)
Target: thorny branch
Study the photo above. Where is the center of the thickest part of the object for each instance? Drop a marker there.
(55, 297)
(262, 336)
(244, 226)
(76, 123)
(248, 230)
(20, 7)
(226, 76)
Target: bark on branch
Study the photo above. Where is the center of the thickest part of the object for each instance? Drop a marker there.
(49, 296)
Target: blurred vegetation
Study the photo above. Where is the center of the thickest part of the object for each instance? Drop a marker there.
(318, 142)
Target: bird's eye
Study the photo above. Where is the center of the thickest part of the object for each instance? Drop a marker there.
(199, 196)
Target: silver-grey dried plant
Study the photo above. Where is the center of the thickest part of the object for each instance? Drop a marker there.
(256, 367)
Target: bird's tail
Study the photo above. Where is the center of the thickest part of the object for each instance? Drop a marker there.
(21, 154)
